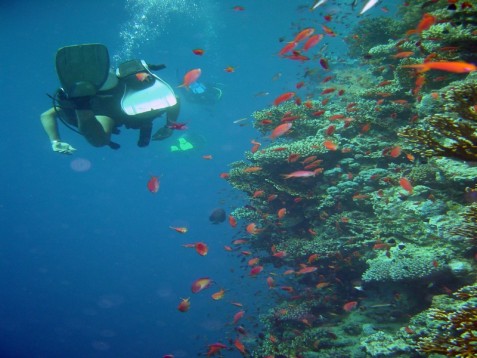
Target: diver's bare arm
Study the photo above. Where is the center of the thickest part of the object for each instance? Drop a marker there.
(48, 121)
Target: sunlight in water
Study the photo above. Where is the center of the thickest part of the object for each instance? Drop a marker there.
(151, 19)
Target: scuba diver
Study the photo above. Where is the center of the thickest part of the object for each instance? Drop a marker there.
(202, 93)
(95, 101)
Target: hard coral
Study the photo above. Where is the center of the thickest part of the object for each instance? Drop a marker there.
(452, 133)
(457, 333)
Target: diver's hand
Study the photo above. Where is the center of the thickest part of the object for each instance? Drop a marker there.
(62, 147)
(162, 133)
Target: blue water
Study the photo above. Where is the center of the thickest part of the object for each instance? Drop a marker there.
(88, 264)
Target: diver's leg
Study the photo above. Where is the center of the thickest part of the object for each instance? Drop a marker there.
(173, 113)
(96, 129)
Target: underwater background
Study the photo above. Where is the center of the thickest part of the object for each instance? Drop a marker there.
(351, 178)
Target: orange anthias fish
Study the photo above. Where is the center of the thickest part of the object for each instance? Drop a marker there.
(427, 21)
(281, 130)
(201, 248)
(218, 295)
(300, 174)
(198, 51)
(281, 213)
(201, 284)
(406, 185)
(448, 66)
(190, 77)
(153, 184)
(304, 34)
(184, 305)
(312, 41)
(252, 229)
(283, 97)
(349, 306)
(232, 221)
(238, 316)
(215, 348)
(239, 345)
(143, 77)
(256, 270)
(229, 69)
(181, 230)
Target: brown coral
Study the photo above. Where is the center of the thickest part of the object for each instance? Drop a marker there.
(457, 335)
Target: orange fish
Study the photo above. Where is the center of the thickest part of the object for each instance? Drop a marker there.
(281, 213)
(218, 295)
(143, 77)
(287, 48)
(201, 284)
(215, 348)
(224, 175)
(312, 41)
(283, 97)
(201, 248)
(198, 51)
(232, 221)
(306, 269)
(253, 261)
(448, 66)
(328, 144)
(300, 174)
(322, 285)
(280, 130)
(270, 282)
(207, 156)
(280, 254)
(184, 305)
(406, 185)
(153, 184)
(239, 345)
(395, 152)
(181, 230)
(252, 169)
(303, 34)
(190, 77)
(349, 306)
(256, 146)
(403, 54)
(238, 316)
(229, 69)
(256, 270)
(427, 21)
(252, 229)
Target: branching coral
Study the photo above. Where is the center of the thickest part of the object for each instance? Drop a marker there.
(452, 133)
(457, 334)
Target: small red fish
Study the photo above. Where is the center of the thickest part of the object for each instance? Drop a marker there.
(153, 184)
(406, 185)
(201, 284)
(181, 230)
(198, 51)
(287, 48)
(239, 345)
(238, 316)
(328, 144)
(177, 126)
(190, 77)
(232, 221)
(349, 306)
(281, 130)
(201, 248)
(256, 270)
(281, 213)
(448, 66)
(312, 41)
(304, 34)
(300, 174)
(143, 77)
(229, 69)
(218, 295)
(184, 305)
(283, 97)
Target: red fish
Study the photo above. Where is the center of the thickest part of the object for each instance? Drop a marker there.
(153, 184)
(328, 144)
(201, 284)
(143, 77)
(427, 21)
(198, 51)
(448, 66)
(349, 306)
(180, 230)
(306, 269)
(184, 305)
(287, 48)
(304, 34)
(283, 97)
(229, 69)
(190, 77)
(395, 152)
(280, 130)
(239, 345)
(201, 248)
(312, 41)
(232, 221)
(256, 270)
(300, 174)
(281, 213)
(238, 316)
(215, 348)
(406, 185)
(177, 126)
(218, 295)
